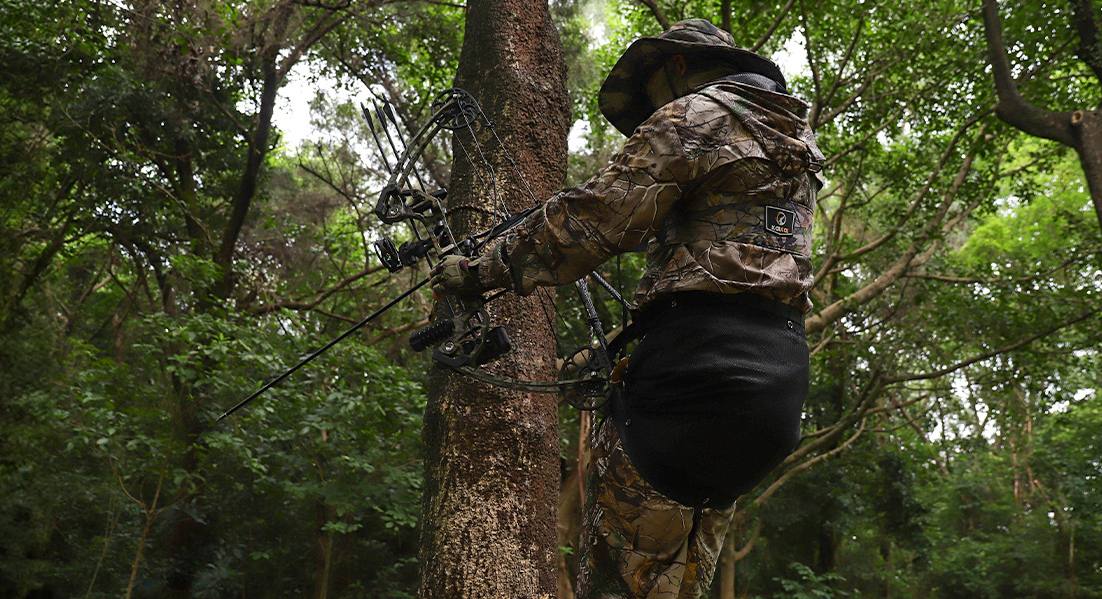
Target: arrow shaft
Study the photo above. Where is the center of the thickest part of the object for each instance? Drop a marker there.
(321, 350)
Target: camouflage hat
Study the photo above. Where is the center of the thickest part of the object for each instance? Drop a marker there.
(623, 99)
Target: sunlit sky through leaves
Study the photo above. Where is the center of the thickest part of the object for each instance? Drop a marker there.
(293, 108)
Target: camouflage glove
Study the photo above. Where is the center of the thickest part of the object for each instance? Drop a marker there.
(456, 275)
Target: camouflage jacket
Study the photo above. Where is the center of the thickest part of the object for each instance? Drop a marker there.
(717, 183)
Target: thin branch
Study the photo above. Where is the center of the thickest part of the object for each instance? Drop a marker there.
(911, 257)
(348, 196)
(1090, 48)
(872, 77)
(1000, 282)
(827, 338)
(745, 550)
(1012, 107)
(323, 27)
(321, 297)
(802, 466)
(898, 406)
(845, 59)
(657, 12)
(319, 4)
(990, 354)
(816, 104)
(122, 485)
(398, 330)
(827, 435)
(443, 3)
(918, 197)
(113, 509)
(772, 28)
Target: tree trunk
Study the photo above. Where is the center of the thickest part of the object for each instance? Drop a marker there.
(827, 549)
(1088, 137)
(324, 513)
(491, 454)
(889, 569)
(150, 513)
(323, 551)
(189, 536)
(727, 568)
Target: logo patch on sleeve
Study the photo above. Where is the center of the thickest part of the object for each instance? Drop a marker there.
(779, 221)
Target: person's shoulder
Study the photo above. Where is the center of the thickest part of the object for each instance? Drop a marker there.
(696, 107)
(693, 116)
(734, 94)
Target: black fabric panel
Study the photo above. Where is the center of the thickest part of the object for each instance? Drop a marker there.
(757, 81)
(713, 394)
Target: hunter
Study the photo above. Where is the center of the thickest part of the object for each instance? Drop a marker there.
(718, 180)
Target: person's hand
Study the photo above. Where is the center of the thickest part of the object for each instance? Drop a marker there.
(456, 275)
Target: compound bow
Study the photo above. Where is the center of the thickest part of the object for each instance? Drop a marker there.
(462, 336)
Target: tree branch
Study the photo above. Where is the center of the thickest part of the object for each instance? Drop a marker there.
(998, 282)
(845, 59)
(657, 12)
(409, 326)
(871, 78)
(321, 297)
(919, 196)
(772, 28)
(659, 15)
(257, 151)
(1090, 50)
(793, 471)
(323, 27)
(828, 434)
(816, 80)
(745, 550)
(1012, 107)
(933, 374)
(904, 263)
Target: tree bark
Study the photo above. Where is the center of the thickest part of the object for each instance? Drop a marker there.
(728, 569)
(258, 151)
(491, 454)
(1088, 137)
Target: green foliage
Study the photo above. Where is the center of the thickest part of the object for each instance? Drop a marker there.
(339, 445)
(809, 585)
(125, 134)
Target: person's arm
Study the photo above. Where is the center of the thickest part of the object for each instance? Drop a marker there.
(614, 212)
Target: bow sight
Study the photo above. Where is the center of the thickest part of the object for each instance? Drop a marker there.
(461, 334)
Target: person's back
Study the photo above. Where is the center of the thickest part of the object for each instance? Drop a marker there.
(745, 222)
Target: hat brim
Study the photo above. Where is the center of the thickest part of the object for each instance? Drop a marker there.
(623, 98)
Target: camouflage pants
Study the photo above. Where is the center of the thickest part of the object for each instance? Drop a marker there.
(637, 543)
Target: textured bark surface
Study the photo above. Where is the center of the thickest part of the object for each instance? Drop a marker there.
(1088, 137)
(491, 463)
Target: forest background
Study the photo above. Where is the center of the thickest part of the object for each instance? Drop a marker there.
(164, 247)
